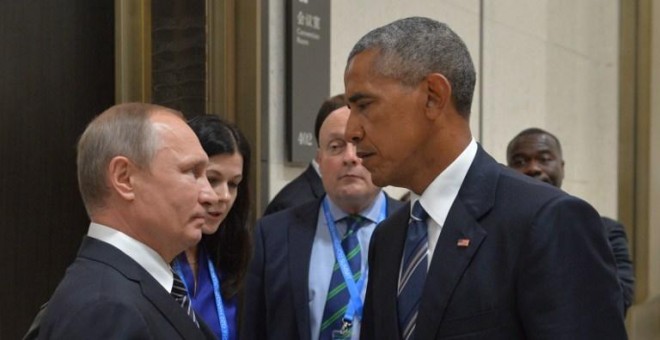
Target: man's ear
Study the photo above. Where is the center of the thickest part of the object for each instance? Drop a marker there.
(120, 177)
(317, 158)
(438, 94)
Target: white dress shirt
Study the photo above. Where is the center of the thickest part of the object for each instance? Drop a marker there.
(136, 250)
(439, 196)
(322, 260)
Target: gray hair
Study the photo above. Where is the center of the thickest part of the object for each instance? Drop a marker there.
(410, 49)
(122, 130)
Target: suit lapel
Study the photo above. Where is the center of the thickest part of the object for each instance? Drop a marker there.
(452, 256)
(150, 288)
(314, 181)
(386, 264)
(447, 266)
(392, 205)
(300, 241)
(170, 309)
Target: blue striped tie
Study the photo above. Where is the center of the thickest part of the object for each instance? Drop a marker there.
(180, 294)
(338, 295)
(413, 271)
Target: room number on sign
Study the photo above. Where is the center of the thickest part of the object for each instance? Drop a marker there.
(305, 138)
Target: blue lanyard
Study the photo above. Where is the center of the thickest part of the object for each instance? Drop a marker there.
(219, 305)
(224, 326)
(355, 303)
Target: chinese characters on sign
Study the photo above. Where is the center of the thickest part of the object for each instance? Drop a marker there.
(307, 21)
(308, 73)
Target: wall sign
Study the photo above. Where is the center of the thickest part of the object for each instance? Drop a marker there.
(308, 73)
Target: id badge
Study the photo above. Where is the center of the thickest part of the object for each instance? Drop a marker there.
(341, 334)
(345, 332)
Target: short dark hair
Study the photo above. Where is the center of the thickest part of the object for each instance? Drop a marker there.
(529, 132)
(328, 106)
(230, 246)
(410, 49)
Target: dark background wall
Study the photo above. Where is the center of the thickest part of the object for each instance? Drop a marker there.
(178, 59)
(56, 73)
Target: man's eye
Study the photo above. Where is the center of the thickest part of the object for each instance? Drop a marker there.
(337, 147)
(546, 159)
(192, 172)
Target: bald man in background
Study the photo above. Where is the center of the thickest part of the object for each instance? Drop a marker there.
(537, 153)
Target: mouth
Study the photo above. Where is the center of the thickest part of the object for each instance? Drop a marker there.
(350, 176)
(199, 219)
(214, 214)
(545, 179)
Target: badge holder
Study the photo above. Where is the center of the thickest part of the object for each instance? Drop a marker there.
(344, 333)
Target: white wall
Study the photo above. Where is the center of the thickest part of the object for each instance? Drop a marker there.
(546, 63)
(279, 173)
(553, 64)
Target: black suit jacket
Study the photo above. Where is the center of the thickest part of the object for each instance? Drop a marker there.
(306, 187)
(276, 291)
(106, 295)
(537, 266)
(616, 234)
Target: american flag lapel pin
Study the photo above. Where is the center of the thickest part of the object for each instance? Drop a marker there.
(463, 242)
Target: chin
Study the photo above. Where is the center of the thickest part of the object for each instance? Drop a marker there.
(379, 181)
(211, 227)
(194, 239)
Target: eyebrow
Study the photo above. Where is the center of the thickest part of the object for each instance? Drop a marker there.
(357, 97)
(216, 172)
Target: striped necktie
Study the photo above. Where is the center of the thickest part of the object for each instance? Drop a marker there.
(180, 294)
(338, 295)
(413, 271)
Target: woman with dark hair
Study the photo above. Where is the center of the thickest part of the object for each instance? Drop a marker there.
(213, 271)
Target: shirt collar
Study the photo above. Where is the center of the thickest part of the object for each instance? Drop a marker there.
(371, 213)
(439, 196)
(136, 250)
(315, 165)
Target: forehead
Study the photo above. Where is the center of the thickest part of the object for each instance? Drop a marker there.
(175, 135)
(359, 70)
(534, 143)
(227, 162)
(335, 124)
(362, 62)
(363, 80)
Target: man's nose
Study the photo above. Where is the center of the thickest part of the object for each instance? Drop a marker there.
(532, 169)
(350, 154)
(353, 132)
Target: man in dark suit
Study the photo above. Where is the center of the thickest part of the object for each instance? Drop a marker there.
(537, 153)
(141, 173)
(483, 252)
(291, 291)
(307, 186)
